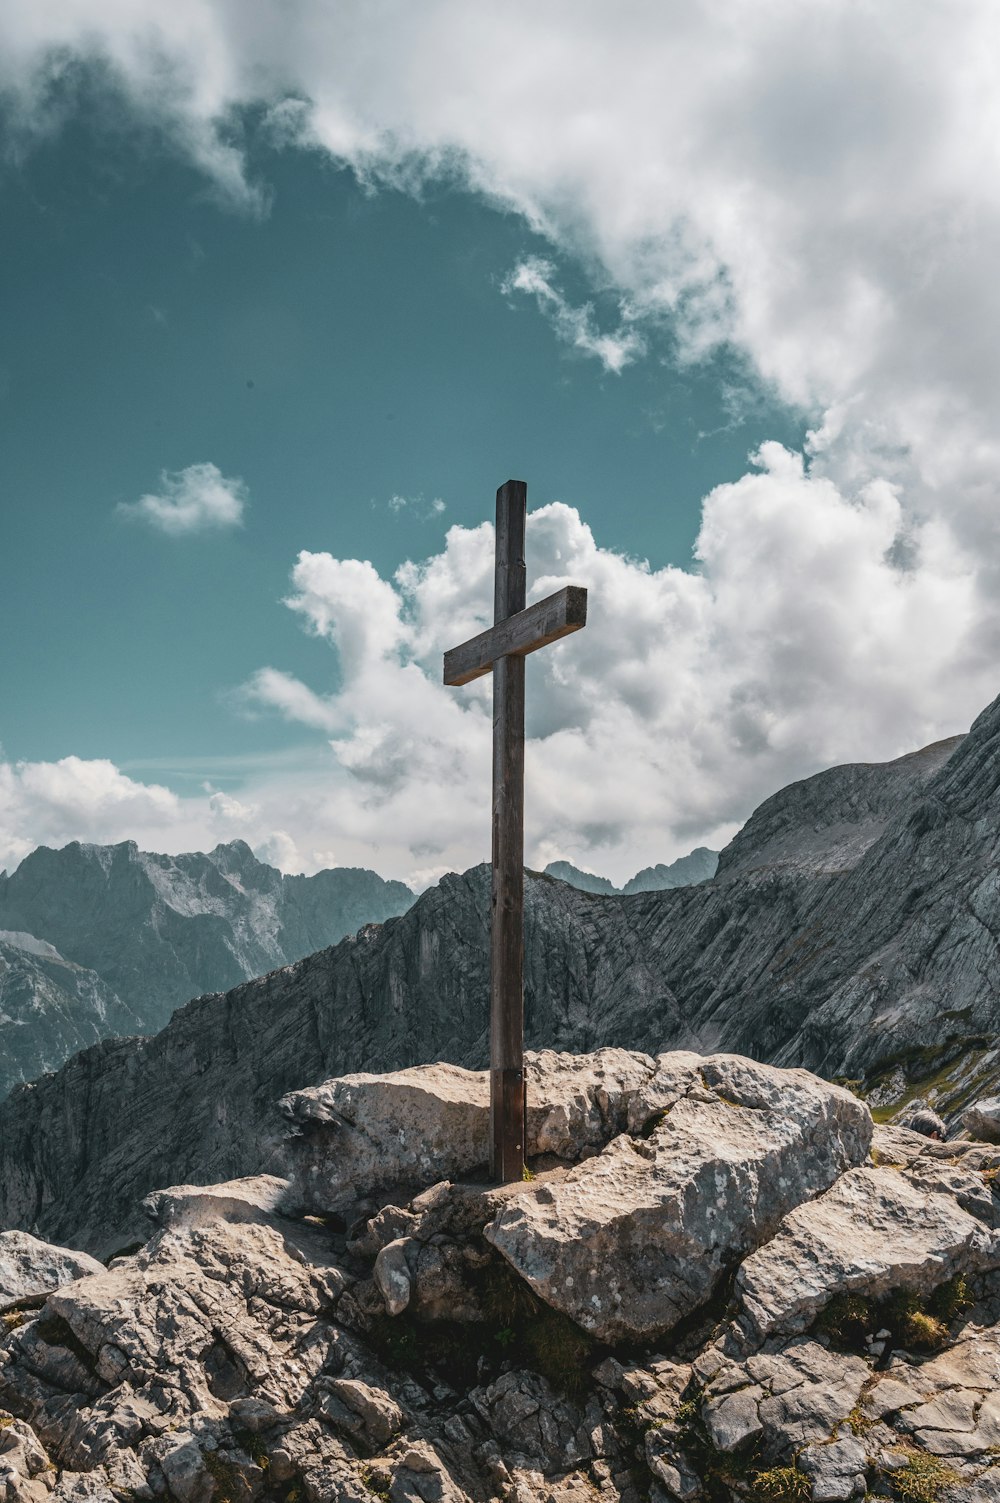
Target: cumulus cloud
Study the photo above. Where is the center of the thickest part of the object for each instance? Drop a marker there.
(50, 803)
(197, 499)
(819, 625)
(800, 640)
(575, 326)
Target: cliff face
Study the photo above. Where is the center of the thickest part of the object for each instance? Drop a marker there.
(852, 929)
(155, 930)
(50, 1008)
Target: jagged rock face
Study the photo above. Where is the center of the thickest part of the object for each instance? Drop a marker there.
(827, 822)
(876, 1230)
(50, 1009)
(246, 1352)
(631, 1241)
(30, 1269)
(818, 962)
(700, 865)
(365, 1132)
(156, 930)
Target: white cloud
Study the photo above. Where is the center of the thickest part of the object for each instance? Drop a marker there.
(821, 625)
(800, 641)
(196, 499)
(416, 506)
(575, 326)
(50, 803)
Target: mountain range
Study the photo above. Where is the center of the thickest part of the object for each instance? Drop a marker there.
(109, 940)
(699, 866)
(852, 927)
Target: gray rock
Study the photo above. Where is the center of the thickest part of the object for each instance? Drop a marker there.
(871, 1232)
(734, 1419)
(629, 1242)
(30, 1269)
(50, 1008)
(699, 866)
(25, 1470)
(393, 1277)
(982, 1119)
(837, 1470)
(416, 1127)
(243, 1352)
(534, 1425)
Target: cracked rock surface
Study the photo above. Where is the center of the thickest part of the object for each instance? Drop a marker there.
(406, 1344)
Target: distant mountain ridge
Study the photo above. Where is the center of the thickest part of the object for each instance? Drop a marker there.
(699, 866)
(103, 940)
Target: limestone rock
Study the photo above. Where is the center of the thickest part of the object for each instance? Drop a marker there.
(871, 1232)
(630, 1241)
(416, 1127)
(801, 1392)
(982, 1119)
(25, 1470)
(837, 1469)
(411, 1126)
(30, 1268)
(923, 1120)
(534, 1425)
(51, 1008)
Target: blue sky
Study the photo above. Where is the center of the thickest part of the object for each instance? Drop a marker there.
(369, 306)
(342, 349)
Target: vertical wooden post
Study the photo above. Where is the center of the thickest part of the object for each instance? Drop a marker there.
(507, 1094)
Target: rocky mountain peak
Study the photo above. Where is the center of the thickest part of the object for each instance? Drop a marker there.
(698, 866)
(155, 930)
(826, 823)
(721, 1282)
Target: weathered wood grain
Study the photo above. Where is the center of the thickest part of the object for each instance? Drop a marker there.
(507, 1104)
(517, 635)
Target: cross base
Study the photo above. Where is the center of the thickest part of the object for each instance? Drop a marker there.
(508, 1121)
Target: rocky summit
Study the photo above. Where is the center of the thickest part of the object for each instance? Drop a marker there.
(97, 941)
(720, 1281)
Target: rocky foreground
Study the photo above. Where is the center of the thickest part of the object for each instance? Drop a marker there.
(720, 1282)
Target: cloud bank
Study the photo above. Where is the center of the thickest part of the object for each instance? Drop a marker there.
(196, 499)
(800, 639)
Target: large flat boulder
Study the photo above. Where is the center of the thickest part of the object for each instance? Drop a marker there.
(630, 1241)
(418, 1126)
(874, 1231)
(30, 1269)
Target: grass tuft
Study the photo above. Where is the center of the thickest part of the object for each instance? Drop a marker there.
(924, 1479)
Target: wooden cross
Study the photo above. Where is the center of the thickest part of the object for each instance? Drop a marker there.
(502, 649)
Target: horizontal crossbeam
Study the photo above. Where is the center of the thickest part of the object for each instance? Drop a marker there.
(517, 635)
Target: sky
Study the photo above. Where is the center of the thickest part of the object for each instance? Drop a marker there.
(290, 289)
